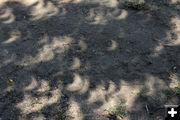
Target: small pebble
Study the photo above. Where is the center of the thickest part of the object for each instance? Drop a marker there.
(174, 68)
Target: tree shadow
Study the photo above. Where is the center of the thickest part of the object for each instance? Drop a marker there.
(79, 49)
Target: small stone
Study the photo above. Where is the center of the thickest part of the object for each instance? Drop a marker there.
(119, 118)
(174, 68)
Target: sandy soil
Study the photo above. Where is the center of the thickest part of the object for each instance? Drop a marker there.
(75, 59)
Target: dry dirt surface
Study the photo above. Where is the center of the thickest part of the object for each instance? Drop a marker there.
(77, 59)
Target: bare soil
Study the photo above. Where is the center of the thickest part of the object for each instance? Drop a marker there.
(77, 59)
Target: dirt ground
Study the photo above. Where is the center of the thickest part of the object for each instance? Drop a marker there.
(78, 59)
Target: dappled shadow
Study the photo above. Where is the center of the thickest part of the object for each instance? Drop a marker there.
(79, 56)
